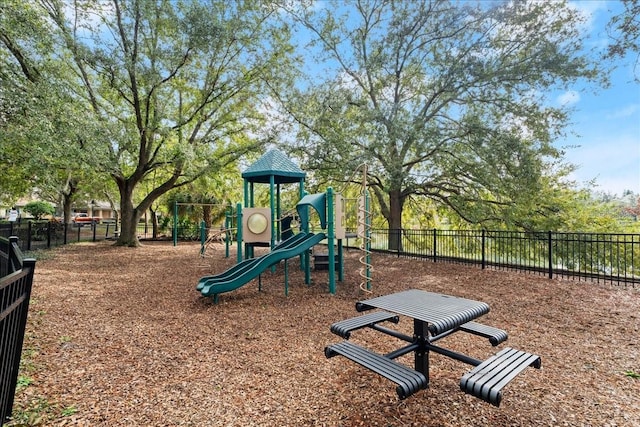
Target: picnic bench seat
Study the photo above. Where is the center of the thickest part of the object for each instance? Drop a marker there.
(343, 328)
(486, 380)
(408, 380)
(495, 335)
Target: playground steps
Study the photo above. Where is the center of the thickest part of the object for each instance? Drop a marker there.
(321, 260)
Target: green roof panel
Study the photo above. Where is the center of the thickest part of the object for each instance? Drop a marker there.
(274, 163)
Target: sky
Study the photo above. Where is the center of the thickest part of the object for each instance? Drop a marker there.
(607, 121)
(603, 140)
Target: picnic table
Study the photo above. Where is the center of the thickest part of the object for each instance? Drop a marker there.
(435, 316)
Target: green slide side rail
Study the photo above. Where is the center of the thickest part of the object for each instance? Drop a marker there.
(264, 262)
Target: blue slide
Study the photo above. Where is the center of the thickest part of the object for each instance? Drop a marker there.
(248, 270)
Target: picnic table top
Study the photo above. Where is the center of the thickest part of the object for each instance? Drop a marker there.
(441, 312)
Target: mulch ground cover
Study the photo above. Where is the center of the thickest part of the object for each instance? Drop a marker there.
(120, 337)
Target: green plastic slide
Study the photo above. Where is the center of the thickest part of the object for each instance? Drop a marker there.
(260, 264)
(245, 265)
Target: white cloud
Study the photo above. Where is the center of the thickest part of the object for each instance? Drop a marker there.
(589, 9)
(570, 97)
(613, 163)
(623, 112)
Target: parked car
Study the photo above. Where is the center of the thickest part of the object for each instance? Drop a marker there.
(83, 218)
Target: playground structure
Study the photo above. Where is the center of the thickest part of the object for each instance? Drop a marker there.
(222, 236)
(208, 236)
(364, 232)
(297, 245)
(270, 227)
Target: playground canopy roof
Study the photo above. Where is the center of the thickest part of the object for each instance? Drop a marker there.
(274, 163)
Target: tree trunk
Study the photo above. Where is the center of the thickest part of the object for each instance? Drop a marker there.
(66, 208)
(206, 216)
(67, 199)
(129, 216)
(394, 219)
(154, 223)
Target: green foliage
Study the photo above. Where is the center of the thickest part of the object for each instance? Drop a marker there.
(174, 97)
(443, 101)
(45, 123)
(39, 209)
(165, 222)
(188, 229)
(624, 30)
(23, 381)
(195, 207)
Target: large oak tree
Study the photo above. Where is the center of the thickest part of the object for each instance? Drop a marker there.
(41, 125)
(172, 86)
(443, 100)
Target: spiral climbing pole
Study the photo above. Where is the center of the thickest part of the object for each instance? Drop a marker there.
(364, 233)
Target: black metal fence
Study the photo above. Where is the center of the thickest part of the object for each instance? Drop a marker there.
(35, 235)
(16, 279)
(606, 257)
(603, 257)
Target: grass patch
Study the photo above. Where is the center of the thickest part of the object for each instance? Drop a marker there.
(39, 412)
(39, 254)
(23, 381)
(632, 374)
(68, 411)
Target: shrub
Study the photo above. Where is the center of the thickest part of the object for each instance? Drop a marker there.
(39, 209)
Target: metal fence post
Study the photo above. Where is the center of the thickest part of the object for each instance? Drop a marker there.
(435, 242)
(550, 253)
(29, 235)
(203, 237)
(13, 257)
(484, 263)
(175, 223)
